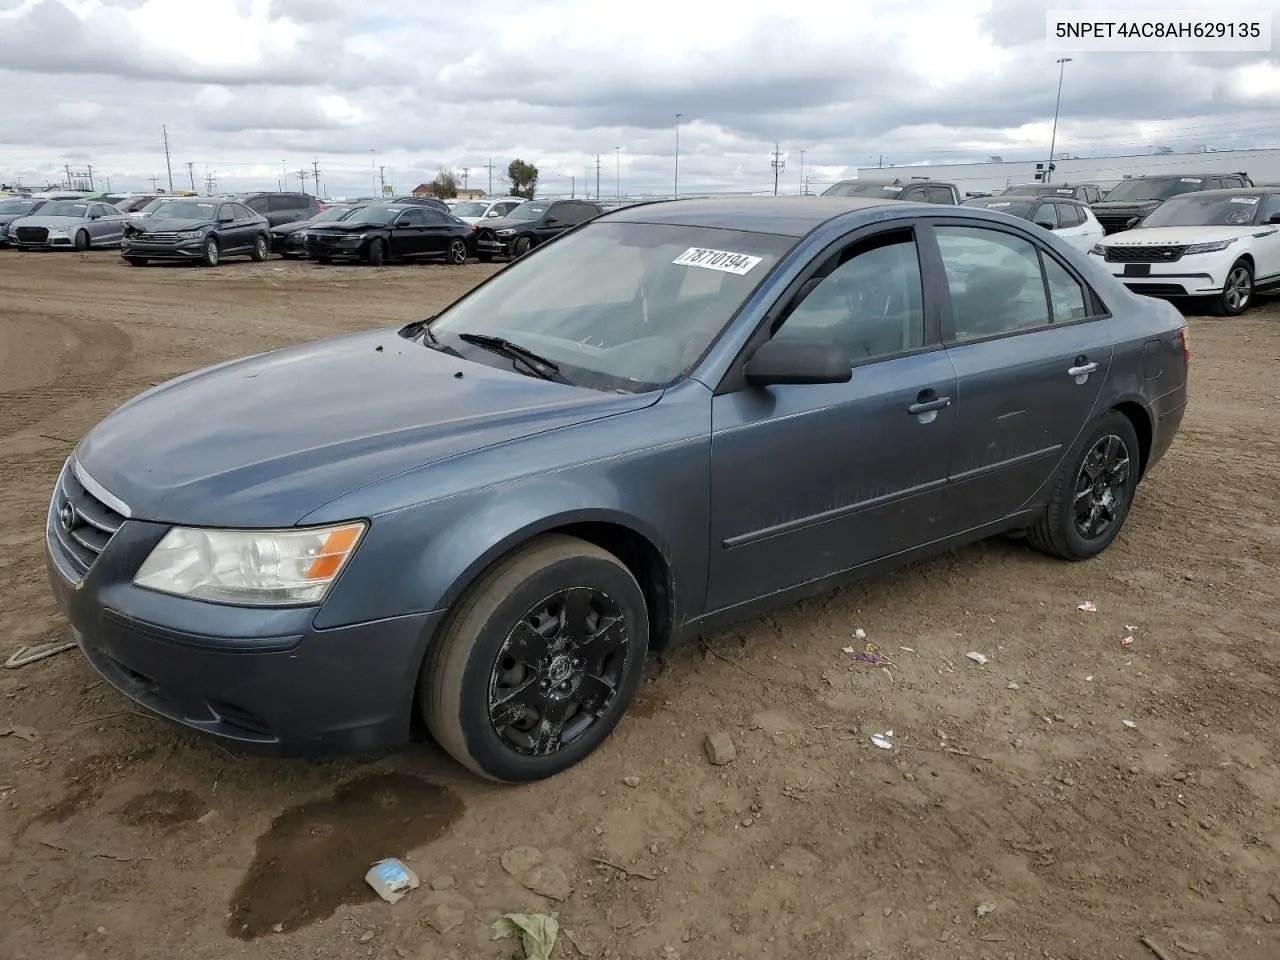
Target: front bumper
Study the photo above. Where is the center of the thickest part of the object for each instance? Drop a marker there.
(494, 246)
(328, 249)
(262, 680)
(1193, 276)
(163, 250)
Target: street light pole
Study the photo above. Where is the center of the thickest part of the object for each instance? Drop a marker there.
(1053, 138)
(675, 186)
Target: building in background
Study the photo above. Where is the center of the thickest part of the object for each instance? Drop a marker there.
(1263, 166)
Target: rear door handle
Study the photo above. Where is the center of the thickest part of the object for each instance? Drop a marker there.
(1083, 370)
(928, 406)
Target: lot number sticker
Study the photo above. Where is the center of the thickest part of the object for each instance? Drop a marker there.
(1192, 180)
(1248, 200)
(723, 260)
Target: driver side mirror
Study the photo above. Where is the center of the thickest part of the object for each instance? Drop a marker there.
(1132, 222)
(1046, 224)
(227, 218)
(797, 360)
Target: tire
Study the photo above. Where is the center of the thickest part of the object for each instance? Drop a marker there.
(137, 261)
(523, 246)
(212, 255)
(457, 254)
(82, 240)
(474, 658)
(1237, 293)
(261, 248)
(1057, 532)
(376, 253)
(485, 257)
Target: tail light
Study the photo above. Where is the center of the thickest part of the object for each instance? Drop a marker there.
(1182, 342)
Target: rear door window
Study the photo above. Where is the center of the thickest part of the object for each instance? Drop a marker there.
(941, 195)
(1069, 215)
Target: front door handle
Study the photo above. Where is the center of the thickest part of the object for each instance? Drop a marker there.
(1083, 370)
(928, 406)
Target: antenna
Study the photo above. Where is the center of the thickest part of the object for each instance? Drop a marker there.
(489, 166)
(778, 165)
(167, 165)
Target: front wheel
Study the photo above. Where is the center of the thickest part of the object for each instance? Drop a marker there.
(1092, 492)
(1237, 292)
(523, 246)
(377, 254)
(458, 252)
(82, 240)
(212, 253)
(539, 661)
(260, 249)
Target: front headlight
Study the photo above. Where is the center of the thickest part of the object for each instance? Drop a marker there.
(505, 233)
(252, 568)
(58, 231)
(1211, 247)
(190, 234)
(1098, 250)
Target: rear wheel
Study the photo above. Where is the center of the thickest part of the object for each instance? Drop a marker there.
(82, 240)
(377, 253)
(539, 661)
(458, 252)
(1237, 292)
(1092, 493)
(212, 253)
(137, 261)
(260, 248)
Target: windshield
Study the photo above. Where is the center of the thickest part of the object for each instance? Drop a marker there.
(1016, 208)
(1202, 210)
(528, 211)
(65, 208)
(885, 191)
(1160, 189)
(335, 213)
(15, 206)
(375, 216)
(472, 208)
(617, 306)
(185, 210)
(1037, 190)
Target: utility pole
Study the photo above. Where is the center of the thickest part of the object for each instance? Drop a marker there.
(106, 184)
(167, 165)
(881, 163)
(489, 166)
(466, 173)
(617, 172)
(573, 187)
(302, 179)
(68, 169)
(778, 165)
(155, 183)
(675, 183)
(315, 175)
(191, 174)
(1053, 138)
(802, 173)
(89, 167)
(382, 178)
(597, 176)
(210, 181)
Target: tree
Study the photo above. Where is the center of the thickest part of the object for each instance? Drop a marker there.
(444, 186)
(524, 179)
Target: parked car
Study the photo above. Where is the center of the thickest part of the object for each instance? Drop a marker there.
(390, 231)
(412, 200)
(287, 239)
(918, 191)
(671, 418)
(132, 206)
(531, 224)
(206, 230)
(15, 208)
(68, 225)
(280, 207)
(1084, 192)
(1134, 197)
(474, 211)
(1221, 245)
(1069, 219)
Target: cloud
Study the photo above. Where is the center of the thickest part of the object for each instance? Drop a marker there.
(240, 84)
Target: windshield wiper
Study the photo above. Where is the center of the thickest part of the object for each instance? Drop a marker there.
(540, 366)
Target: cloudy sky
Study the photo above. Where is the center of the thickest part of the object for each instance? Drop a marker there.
(251, 91)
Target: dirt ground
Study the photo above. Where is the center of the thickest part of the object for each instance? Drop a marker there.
(1069, 797)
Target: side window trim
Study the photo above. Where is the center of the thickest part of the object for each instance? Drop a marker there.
(1097, 306)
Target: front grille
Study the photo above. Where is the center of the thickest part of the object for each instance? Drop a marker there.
(1163, 254)
(157, 237)
(1158, 289)
(486, 235)
(81, 524)
(31, 235)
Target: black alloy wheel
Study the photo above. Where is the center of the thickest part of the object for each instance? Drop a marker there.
(523, 246)
(458, 252)
(1102, 487)
(260, 248)
(377, 253)
(538, 661)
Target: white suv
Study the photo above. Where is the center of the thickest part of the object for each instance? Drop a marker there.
(1220, 244)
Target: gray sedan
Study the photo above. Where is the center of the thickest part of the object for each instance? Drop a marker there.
(673, 416)
(69, 225)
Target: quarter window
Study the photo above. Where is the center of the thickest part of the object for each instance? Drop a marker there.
(1047, 215)
(1069, 215)
(1066, 295)
(995, 282)
(869, 302)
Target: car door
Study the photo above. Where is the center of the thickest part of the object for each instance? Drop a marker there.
(812, 479)
(238, 232)
(408, 232)
(1031, 353)
(284, 208)
(99, 226)
(1267, 242)
(113, 222)
(1072, 227)
(555, 221)
(436, 231)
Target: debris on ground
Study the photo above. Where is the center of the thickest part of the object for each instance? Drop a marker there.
(871, 654)
(631, 782)
(1126, 641)
(367, 936)
(985, 908)
(1011, 685)
(29, 734)
(585, 946)
(979, 658)
(391, 879)
(1088, 607)
(518, 861)
(536, 932)
(445, 882)
(529, 866)
(860, 634)
(1155, 948)
(444, 917)
(628, 871)
(720, 748)
(882, 740)
(1130, 724)
(36, 652)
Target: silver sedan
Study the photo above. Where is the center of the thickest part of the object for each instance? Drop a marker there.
(69, 225)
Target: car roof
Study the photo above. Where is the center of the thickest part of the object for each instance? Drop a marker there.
(783, 216)
(1179, 176)
(1230, 192)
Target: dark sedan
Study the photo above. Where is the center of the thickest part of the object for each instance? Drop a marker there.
(286, 239)
(15, 208)
(391, 231)
(196, 231)
(677, 415)
(531, 224)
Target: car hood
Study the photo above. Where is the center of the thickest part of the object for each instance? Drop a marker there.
(266, 440)
(1159, 236)
(293, 226)
(157, 224)
(506, 223)
(1121, 205)
(11, 217)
